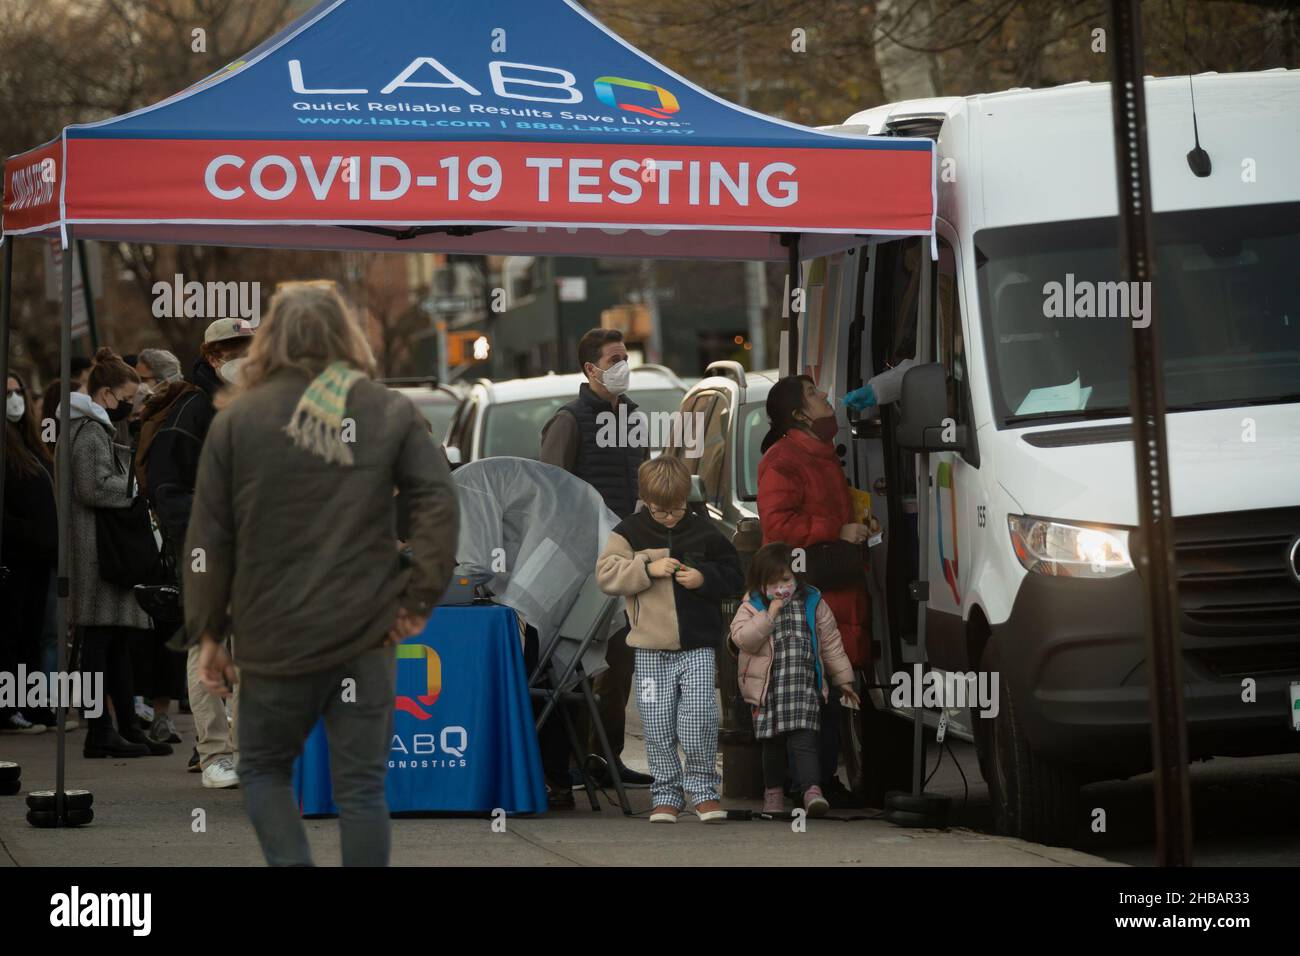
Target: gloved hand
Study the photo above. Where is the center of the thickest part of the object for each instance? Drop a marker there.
(860, 398)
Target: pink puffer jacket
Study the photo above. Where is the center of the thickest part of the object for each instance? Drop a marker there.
(751, 633)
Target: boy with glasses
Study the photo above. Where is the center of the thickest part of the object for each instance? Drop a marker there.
(674, 569)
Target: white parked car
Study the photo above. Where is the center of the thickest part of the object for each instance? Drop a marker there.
(506, 418)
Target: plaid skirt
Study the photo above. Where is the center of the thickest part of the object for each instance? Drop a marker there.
(793, 700)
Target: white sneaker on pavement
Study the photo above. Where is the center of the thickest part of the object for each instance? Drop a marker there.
(143, 711)
(220, 774)
(16, 723)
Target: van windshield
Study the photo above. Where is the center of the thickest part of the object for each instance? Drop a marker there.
(1056, 317)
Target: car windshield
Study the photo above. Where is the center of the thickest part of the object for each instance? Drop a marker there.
(515, 428)
(753, 429)
(1056, 318)
(439, 415)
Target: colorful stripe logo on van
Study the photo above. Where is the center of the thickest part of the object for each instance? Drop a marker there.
(945, 509)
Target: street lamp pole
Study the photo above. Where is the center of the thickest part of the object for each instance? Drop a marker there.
(1155, 558)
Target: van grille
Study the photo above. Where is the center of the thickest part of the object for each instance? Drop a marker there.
(1234, 577)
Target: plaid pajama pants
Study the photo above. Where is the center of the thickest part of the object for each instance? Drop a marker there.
(678, 705)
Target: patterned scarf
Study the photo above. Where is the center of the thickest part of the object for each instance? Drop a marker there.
(316, 425)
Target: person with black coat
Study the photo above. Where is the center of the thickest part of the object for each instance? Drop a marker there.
(30, 550)
(571, 440)
(172, 470)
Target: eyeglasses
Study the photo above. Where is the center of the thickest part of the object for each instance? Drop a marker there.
(674, 513)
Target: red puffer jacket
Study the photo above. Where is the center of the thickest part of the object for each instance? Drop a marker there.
(803, 499)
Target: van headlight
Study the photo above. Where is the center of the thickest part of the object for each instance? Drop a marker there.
(1069, 550)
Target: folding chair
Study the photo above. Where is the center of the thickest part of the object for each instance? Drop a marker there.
(564, 671)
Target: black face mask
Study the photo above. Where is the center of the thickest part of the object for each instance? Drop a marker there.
(120, 411)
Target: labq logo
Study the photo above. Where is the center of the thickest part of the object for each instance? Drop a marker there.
(432, 679)
(668, 104)
(530, 82)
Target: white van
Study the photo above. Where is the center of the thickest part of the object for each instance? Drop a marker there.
(1031, 507)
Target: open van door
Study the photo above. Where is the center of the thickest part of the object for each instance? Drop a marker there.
(952, 499)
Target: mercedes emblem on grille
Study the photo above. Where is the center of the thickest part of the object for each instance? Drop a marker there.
(1293, 559)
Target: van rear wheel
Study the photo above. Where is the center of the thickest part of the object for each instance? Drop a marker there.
(1032, 798)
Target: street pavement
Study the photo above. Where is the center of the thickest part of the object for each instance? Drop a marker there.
(1243, 809)
(145, 808)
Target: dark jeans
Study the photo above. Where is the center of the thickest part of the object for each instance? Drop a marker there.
(801, 746)
(276, 715)
(107, 650)
(23, 596)
(614, 686)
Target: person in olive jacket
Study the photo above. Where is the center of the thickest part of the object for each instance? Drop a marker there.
(294, 514)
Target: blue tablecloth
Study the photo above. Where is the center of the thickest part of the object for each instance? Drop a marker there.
(463, 737)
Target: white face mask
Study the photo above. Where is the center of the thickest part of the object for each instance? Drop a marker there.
(616, 377)
(14, 407)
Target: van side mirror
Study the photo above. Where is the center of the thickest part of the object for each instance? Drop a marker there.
(924, 423)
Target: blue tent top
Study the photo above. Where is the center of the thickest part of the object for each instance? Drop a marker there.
(497, 67)
(474, 126)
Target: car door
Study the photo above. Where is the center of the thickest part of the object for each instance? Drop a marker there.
(953, 487)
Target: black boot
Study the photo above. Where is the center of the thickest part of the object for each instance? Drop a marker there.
(103, 741)
(135, 735)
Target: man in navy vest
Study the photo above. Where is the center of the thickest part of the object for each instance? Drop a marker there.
(569, 441)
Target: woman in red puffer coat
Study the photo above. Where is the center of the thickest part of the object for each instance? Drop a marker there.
(804, 499)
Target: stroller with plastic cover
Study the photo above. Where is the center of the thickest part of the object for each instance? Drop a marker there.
(530, 536)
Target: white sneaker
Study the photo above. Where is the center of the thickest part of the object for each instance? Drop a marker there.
(18, 724)
(220, 774)
(143, 711)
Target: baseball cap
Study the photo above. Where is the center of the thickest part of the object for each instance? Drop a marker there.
(223, 330)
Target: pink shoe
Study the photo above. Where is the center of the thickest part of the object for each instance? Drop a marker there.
(814, 803)
(773, 800)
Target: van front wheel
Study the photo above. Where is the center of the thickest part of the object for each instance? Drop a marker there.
(1031, 797)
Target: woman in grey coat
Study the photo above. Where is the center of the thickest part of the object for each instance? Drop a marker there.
(106, 615)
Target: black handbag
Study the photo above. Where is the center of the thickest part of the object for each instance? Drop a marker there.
(835, 566)
(124, 542)
(162, 602)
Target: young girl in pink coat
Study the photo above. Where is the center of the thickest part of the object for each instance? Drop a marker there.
(791, 655)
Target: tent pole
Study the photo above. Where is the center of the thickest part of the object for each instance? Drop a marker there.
(4, 352)
(791, 241)
(89, 296)
(64, 487)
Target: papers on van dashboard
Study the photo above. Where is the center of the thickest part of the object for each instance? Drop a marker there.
(1056, 398)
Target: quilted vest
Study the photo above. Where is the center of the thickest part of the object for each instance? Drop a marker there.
(611, 470)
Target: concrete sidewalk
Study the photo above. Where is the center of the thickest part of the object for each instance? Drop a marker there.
(145, 809)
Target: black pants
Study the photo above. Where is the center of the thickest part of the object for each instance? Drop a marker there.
(801, 747)
(614, 686)
(157, 670)
(22, 595)
(552, 740)
(829, 742)
(107, 650)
